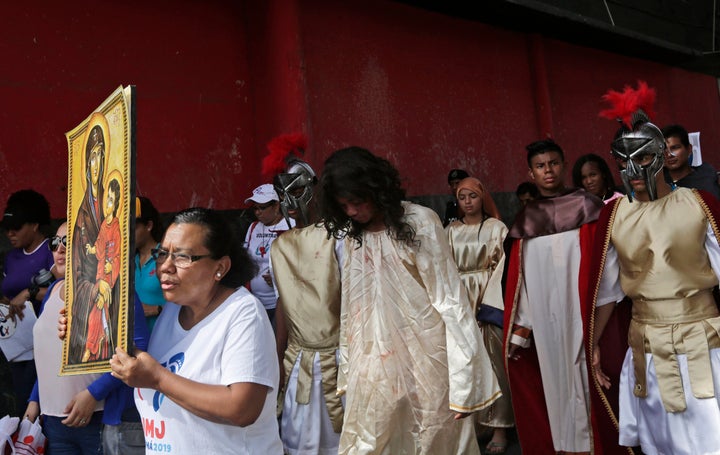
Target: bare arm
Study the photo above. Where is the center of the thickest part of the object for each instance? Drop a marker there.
(32, 411)
(602, 316)
(237, 404)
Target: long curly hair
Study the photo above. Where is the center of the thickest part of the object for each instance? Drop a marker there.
(355, 173)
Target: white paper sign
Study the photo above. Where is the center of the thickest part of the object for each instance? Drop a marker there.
(696, 152)
(16, 335)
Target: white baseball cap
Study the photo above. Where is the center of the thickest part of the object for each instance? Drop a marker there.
(263, 194)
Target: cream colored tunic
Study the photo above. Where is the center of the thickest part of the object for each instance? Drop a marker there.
(480, 259)
(479, 254)
(670, 280)
(409, 346)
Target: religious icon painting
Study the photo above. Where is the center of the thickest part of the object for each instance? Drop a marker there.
(101, 184)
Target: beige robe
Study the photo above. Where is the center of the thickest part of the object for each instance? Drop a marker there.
(409, 345)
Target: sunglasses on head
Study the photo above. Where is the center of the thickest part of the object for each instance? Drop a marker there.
(56, 241)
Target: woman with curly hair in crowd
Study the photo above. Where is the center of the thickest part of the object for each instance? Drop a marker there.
(410, 348)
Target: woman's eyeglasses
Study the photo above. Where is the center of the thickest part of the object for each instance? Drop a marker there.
(56, 241)
(180, 260)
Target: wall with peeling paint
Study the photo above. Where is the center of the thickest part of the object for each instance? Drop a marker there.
(433, 92)
(195, 130)
(217, 79)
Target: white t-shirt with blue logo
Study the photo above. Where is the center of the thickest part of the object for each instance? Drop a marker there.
(235, 343)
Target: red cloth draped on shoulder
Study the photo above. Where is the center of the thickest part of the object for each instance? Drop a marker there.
(528, 398)
(524, 373)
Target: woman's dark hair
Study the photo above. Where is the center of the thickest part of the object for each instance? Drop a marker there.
(95, 139)
(220, 241)
(602, 167)
(148, 213)
(356, 173)
(27, 206)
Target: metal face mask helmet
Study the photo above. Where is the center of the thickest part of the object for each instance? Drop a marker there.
(295, 188)
(639, 144)
(642, 152)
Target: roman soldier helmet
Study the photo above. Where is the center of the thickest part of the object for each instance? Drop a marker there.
(292, 177)
(638, 144)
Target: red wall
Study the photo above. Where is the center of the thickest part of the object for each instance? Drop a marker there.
(433, 92)
(217, 79)
(195, 131)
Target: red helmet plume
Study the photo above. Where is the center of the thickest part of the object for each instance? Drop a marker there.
(629, 102)
(282, 148)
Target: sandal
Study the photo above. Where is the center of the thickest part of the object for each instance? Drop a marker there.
(496, 448)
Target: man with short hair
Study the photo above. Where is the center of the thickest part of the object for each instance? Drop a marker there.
(545, 317)
(679, 172)
(526, 192)
(452, 211)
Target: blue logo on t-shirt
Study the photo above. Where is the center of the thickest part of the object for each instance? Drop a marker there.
(174, 365)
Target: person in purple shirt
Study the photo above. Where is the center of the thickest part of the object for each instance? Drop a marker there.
(26, 214)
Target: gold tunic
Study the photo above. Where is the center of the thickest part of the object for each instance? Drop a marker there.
(480, 258)
(669, 280)
(308, 281)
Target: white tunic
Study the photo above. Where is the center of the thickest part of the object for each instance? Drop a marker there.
(552, 311)
(644, 421)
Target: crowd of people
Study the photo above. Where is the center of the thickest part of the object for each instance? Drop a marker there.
(352, 321)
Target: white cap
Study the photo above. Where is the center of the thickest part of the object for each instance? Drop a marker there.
(263, 194)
